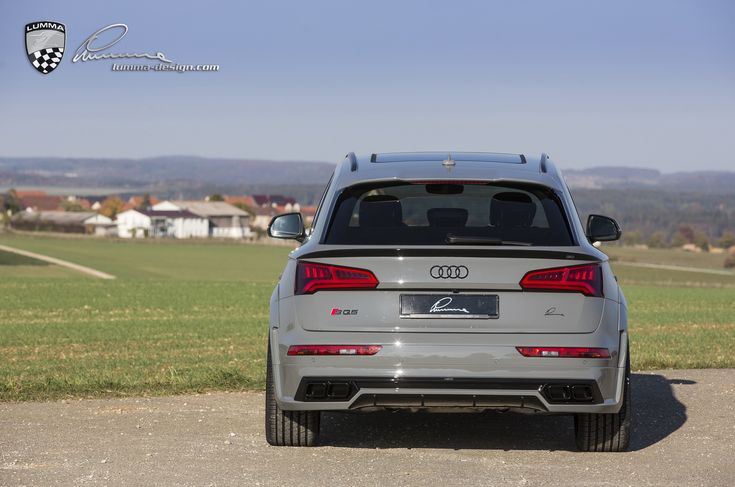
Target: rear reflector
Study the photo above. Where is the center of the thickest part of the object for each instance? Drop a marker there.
(586, 279)
(334, 349)
(311, 277)
(564, 352)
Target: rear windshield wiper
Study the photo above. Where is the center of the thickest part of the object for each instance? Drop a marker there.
(466, 240)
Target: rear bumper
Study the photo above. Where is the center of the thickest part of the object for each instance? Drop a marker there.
(431, 372)
(427, 392)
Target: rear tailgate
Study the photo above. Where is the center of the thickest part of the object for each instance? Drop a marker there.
(518, 311)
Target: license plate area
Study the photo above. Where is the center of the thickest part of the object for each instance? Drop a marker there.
(453, 306)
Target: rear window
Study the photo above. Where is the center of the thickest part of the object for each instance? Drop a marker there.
(448, 213)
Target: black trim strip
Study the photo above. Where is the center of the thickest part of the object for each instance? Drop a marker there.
(449, 252)
(391, 401)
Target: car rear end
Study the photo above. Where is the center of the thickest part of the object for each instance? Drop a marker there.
(449, 295)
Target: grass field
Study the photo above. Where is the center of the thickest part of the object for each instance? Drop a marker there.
(665, 256)
(192, 316)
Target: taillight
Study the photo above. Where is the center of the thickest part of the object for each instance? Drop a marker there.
(586, 279)
(334, 349)
(311, 277)
(564, 352)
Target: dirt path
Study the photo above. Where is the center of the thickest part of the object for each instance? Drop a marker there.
(684, 434)
(59, 262)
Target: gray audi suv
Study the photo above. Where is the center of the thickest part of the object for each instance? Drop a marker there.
(448, 281)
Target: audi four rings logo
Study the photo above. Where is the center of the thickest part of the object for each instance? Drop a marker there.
(449, 272)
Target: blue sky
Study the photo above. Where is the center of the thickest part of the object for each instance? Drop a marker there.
(623, 83)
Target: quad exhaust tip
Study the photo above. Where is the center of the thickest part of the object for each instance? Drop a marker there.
(568, 393)
(331, 391)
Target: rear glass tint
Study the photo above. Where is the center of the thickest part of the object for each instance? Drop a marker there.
(439, 213)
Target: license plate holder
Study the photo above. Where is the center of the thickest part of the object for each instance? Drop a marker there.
(449, 306)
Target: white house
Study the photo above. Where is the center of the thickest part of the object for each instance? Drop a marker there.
(152, 223)
(225, 220)
(100, 225)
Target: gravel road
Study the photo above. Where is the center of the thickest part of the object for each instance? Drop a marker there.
(684, 434)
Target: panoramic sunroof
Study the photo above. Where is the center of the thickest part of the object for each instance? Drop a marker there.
(441, 156)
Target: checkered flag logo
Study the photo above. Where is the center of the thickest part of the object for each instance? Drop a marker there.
(46, 60)
(45, 42)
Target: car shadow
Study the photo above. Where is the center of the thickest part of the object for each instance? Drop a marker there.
(657, 414)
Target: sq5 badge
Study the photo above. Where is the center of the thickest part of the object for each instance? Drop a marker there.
(45, 43)
(342, 312)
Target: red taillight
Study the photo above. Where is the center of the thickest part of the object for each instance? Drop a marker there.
(586, 279)
(334, 349)
(564, 352)
(311, 277)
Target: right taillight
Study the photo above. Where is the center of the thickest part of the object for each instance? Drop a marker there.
(586, 279)
(564, 352)
(312, 277)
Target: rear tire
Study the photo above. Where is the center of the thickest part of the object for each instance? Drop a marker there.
(606, 432)
(287, 428)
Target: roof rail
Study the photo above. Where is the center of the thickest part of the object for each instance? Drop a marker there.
(542, 164)
(353, 161)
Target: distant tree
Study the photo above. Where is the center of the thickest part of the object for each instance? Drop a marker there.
(657, 240)
(146, 203)
(260, 234)
(111, 206)
(215, 197)
(71, 205)
(678, 240)
(687, 233)
(632, 238)
(726, 240)
(701, 240)
(11, 202)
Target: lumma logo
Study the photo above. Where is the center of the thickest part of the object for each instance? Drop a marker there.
(45, 44)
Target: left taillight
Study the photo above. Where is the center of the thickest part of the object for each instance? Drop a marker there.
(312, 277)
(334, 349)
(586, 279)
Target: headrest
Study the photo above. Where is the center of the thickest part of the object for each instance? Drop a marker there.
(447, 217)
(512, 210)
(381, 211)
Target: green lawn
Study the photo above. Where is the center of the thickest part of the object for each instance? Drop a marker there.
(181, 316)
(140, 259)
(632, 275)
(192, 316)
(14, 265)
(90, 337)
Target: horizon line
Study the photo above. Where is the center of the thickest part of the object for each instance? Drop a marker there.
(303, 161)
